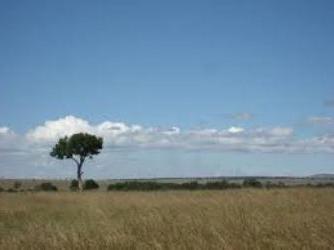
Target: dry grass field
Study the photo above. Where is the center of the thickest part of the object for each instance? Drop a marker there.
(295, 218)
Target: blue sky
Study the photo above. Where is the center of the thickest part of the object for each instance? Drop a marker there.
(195, 65)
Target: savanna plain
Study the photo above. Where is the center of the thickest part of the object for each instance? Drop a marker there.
(293, 218)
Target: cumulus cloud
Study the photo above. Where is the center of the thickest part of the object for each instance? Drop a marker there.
(172, 131)
(118, 135)
(30, 152)
(234, 130)
(4, 131)
(321, 143)
(321, 120)
(52, 130)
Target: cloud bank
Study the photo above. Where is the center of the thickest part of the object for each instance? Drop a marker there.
(119, 135)
(135, 150)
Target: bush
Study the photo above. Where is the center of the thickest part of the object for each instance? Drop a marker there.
(115, 186)
(270, 184)
(90, 184)
(17, 184)
(136, 185)
(74, 185)
(217, 185)
(221, 185)
(252, 182)
(143, 186)
(191, 185)
(281, 184)
(11, 190)
(146, 186)
(152, 186)
(326, 184)
(45, 186)
(1, 189)
(235, 185)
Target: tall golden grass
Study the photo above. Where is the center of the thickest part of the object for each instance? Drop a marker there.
(295, 218)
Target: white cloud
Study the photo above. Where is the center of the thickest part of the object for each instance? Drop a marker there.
(4, 131)
(121, 135)
(235, 130)
(321, 120)
(281, 132)
(204, 132)
(113, 127)
(30, 152)
(52, 130)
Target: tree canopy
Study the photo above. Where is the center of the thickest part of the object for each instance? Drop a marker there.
(80, 145)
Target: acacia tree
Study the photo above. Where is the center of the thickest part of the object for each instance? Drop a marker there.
(77, 147)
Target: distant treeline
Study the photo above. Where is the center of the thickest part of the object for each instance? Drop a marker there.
(217, 185)
(150, 185)
(91, 184)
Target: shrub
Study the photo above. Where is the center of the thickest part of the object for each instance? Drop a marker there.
(1, 189)
(147, 186)
(235, 185)
(152, 186)
(11, 190)
(326, 184)
(269, 184)
(142, 186)
(217, 185)
(191, 185)
(90, 184)
(17, 184)
(252, 182)
(115, 186)
(74, 185)
(136, 185)
(281, 184)
(45, 186)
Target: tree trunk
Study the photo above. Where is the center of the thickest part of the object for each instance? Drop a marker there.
(79, 174)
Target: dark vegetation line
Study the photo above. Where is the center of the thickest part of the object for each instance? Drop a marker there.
(91, 184)
(241, 177)
(194, 185)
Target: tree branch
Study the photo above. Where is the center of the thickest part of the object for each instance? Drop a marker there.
(75, 160)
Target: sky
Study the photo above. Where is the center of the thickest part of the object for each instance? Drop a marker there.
(175, 88)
